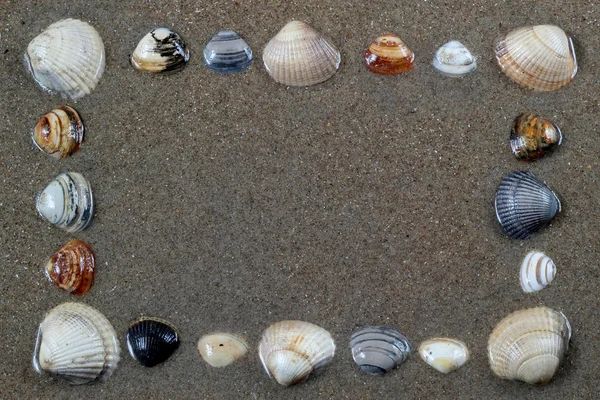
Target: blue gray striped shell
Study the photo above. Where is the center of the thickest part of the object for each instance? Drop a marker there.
(379, 349)
(524, 204)
(227, 53)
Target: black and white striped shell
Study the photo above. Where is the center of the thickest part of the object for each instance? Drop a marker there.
(68, 58)
(379, 349)
(67, 202)
(77, 343)
(162, 50)
(152, 341)
(524, 204)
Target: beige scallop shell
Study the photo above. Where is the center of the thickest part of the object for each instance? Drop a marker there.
(444, 354)
(221, 349)
(537, 271)
(300, 56)
(291, 351)
(538, 57)
(68, 58)
(77, 343)
(528, 345)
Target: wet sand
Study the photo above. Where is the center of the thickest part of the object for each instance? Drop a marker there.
(226, 203)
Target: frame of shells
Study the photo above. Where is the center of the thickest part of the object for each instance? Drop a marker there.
(68, 58)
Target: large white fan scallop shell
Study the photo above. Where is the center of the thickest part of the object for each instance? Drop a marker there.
(68, 58)
(77, 343)
(291, 351)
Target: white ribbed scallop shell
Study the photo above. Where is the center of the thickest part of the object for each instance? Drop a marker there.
(77, 343)
(300, 56)
(291, 351)
(444, 354)
(537, 271)
(528, 345)
(538, 57)
(68, 58)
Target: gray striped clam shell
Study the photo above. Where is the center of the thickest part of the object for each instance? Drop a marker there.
(379, 349)
(67, 202)
(227, 53)
(524, 204)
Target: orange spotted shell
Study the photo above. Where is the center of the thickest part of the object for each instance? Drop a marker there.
(72, 267)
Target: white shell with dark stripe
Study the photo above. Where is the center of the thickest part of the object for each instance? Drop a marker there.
(227, 53)
(524, 204)
(161, 50)
(537, 271)
(67, 202)
(68, 58)
(292, 351)
(77, 343)
(379, 349)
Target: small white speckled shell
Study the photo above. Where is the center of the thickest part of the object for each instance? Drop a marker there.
(454, 60)
(537, 271)
(291, 351)
(68, 58)
(444, 354)
(221, 349)
(300, 56)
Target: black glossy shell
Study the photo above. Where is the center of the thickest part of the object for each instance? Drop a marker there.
(152, 340)
(524, 204)
(379, 349)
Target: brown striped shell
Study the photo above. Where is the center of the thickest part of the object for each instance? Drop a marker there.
(59, 133)
(389, 55)
(72, 267)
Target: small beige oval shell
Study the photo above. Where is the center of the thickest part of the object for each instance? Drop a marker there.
(537, 271)
(221, 349)
(537, 57)
(444, 354)
(528, 345)
(300, 56)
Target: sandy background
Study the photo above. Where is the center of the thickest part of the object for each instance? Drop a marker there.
(231, 202)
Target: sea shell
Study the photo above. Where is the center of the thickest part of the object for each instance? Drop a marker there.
(59, 133)
(77, 343)
(454, 60)
(227, 53)
(537, 57)
(151, 341)
(531, 136)
(524, 204)
(221, 349)
(291, 351)
(528, 345)
(389, 55)
(68, 58)
(72, 267)
(67, 202)
(379, 349)
(444, 354)
(161, 50)
(300, 56)
(537, 271)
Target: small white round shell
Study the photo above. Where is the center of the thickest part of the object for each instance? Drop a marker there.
(221, 349)
(444, 354)
(454, 60)
(537, 271)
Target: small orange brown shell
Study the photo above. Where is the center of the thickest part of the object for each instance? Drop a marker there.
(389, 55)
(59, 133)
(72, 267)
(531, 136)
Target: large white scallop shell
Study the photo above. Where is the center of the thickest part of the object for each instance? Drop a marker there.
(454, 60)
(67, 202)
(537, 271)
(68, 58)
(291, 351)
(538, 57)
(528, 345)
(300, 56)
(444, 354)
(77, 343)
